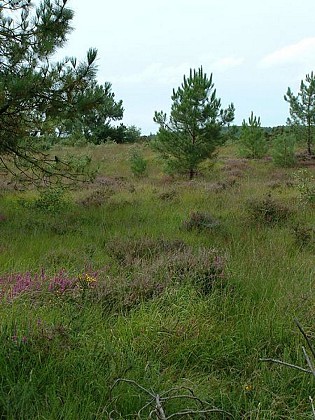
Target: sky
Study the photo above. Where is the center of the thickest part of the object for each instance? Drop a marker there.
(255, 50)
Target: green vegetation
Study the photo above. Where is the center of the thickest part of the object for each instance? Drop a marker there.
(302, 110)
(283, 150)
(41, 100)
(252, 142)
(138, 164)
(194, 128)
(149, 296)
(168, 283)
(94, 123)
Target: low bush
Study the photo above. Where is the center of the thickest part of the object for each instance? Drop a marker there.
(204, 268)
(97, 197)
(169, 195)
(16, 284)
(305, 184)
(138, 164)
(200, 221)
(128, 250)
(304, 236)
(267, 210)
(51, 200)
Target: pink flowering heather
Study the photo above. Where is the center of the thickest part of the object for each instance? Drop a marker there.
(61, 282)
(13, 285)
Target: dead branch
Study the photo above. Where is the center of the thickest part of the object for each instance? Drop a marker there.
(308, 360)
(280, 362)
(158, 401)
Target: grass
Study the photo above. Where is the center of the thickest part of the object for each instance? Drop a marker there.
(148, 317)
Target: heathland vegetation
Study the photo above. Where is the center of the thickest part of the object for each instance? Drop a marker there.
(162, 281)
(163, 277)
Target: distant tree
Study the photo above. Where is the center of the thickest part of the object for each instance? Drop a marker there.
(36, 93)
(95, 123)
(283, 149)
(194, 128)
(132, 134)
(252, 141)
(302, 110)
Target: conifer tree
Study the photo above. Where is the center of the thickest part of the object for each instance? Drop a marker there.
(252, 142)
(302, 110)
(194, 128)
(34, 90)
(95, 123)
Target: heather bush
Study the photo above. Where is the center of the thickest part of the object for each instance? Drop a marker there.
(127, 250)
(304, 236)
(201, 221)
(97, 198)
(16, 284)
(154, 265)
(220, 186)
(203, 267)
(169, 195)
(267, 210)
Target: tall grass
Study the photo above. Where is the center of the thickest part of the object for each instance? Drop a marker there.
(147, 318)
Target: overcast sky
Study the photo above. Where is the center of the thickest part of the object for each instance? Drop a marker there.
(255, 50)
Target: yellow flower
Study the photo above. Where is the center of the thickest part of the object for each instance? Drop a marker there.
(90, 279)
(248, 387)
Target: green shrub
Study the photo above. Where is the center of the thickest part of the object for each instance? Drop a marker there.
(51, 200)
(138, 164)
(283, 150)
(305, 183)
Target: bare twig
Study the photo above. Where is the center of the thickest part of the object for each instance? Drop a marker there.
(308, 360)
(185, 412)
(306, 337)
(144, 407)
(159, 409)
(132, 382)
(157, 402)
(280, 362)
(312, 405)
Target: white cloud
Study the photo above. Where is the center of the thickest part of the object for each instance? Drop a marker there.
(163, 74)
(302, 51)
(154, 72)
(227, 63)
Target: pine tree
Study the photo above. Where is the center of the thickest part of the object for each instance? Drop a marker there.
(95, 123)
(35, 92)
(194, 128)
(302, 110)
(252, 142)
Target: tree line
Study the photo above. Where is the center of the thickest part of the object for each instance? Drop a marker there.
(42, 99)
